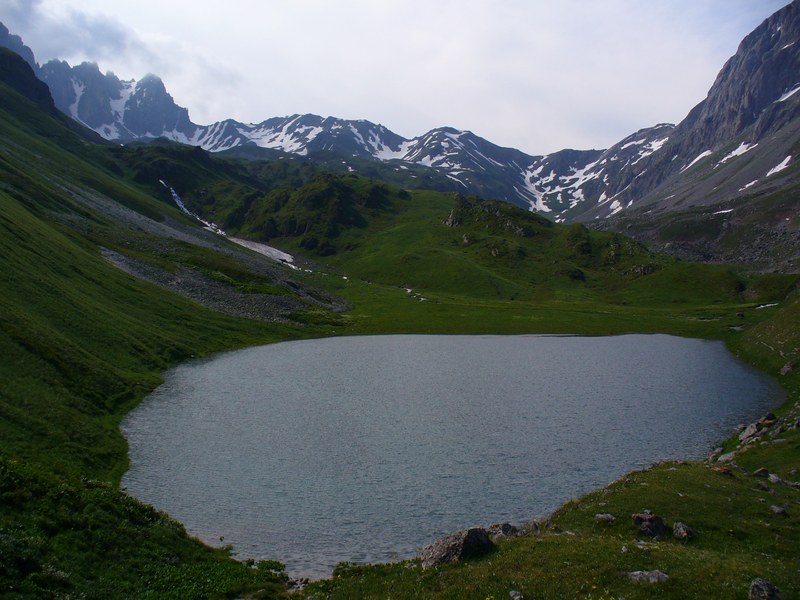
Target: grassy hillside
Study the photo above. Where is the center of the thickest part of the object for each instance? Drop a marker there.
(83, 341)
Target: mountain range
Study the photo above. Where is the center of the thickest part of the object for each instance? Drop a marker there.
(741, 140)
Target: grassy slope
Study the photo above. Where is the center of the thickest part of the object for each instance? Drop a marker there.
(83, 342)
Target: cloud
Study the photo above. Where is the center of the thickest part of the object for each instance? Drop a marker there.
(67, 33)
(19, 12)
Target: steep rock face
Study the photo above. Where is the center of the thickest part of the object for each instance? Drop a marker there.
(116, 109)
(149, 111)
(56, 75)
(765, 67)
(730, 144)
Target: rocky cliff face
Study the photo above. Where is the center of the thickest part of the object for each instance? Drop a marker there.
(116, 109)
(741, 138)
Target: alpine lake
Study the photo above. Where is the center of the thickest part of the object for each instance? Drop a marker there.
(365, 449)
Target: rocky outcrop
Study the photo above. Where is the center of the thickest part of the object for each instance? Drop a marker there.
(768, 429)
(682, 531)
(649, 524)
(469, 543)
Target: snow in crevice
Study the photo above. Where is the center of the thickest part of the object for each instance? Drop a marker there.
(357, 135)
(78, 87)
(109, 132)
(749, 185)
(700, 157)
(118, 104)
(457, 180)
(633, 143)
(651, 148)
(577, 198)
(743, 147)
(789, 93)
(780, 167)
(537, 203)
(287, 138)
(179, 203)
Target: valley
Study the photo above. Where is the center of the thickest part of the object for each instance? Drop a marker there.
(105, 283)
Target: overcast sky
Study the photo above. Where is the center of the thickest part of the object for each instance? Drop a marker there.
(538, 75)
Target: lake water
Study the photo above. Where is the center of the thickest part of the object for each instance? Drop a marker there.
(364, 449)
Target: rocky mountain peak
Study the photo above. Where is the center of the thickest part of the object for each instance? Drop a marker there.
(150, 111)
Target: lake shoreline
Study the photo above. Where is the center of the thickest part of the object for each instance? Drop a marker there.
(491, 518)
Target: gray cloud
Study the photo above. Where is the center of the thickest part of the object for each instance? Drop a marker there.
(19, 12)
(72, 35)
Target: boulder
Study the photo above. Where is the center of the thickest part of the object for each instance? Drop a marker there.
(468, 543)
(502, 529)
(761, 472)
(727, 457)
(682, 531)
(604, 517)
(761, 589)
(775, 479)
(750, 433)
(779, 510)
(649, 524)
(647, 576)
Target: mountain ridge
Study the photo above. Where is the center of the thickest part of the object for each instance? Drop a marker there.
(750, 112)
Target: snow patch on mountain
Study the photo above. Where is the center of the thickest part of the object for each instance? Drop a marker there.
(118, 105)
(789, 94)
(780, 167)
(700, 157)
(651, 148)
(743, 147)
(749, 185)
(79, 87)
